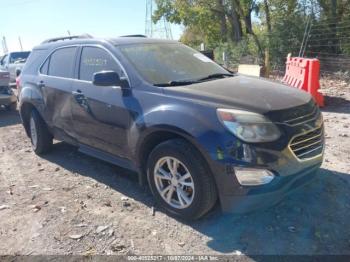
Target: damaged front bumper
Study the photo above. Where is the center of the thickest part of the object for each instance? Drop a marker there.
(260, 197)
(276, 169)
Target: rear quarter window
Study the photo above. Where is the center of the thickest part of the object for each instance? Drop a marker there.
(62, 62)
(34, 61)
(45, 67)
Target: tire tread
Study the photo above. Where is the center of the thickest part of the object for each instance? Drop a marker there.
(208, 188)
(45, 138)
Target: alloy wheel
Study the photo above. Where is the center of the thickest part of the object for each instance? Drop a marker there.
(33, 132)
(174, 182)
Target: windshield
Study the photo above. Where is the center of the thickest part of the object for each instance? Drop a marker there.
(170, 62)
(19, 57)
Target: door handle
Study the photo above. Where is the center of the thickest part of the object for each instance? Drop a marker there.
(83, 102)
(41, 84)
(79, 97)
(78, 92)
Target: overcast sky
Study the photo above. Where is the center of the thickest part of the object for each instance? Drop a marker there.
(37, 20)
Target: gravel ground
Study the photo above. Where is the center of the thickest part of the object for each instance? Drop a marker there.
(69, 203)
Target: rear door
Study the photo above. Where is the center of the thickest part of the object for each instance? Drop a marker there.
(100, 118)
(55, 83)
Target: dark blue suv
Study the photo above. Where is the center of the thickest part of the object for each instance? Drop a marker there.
(196, 132)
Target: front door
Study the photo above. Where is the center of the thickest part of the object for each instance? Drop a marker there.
(100, 118)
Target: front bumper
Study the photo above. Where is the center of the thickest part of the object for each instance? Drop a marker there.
(290, 173)
(265, 196)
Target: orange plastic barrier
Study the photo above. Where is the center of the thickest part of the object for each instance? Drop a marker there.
(304, 73)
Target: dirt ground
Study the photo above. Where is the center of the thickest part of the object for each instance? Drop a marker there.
(69, 203)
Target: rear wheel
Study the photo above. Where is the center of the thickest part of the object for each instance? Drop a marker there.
(39, 134)
(180, 181)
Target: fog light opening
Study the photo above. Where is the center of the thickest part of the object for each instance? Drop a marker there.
(253, 177)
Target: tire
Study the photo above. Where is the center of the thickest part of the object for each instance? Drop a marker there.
(194, 200)
(12, 107)
(40, 136)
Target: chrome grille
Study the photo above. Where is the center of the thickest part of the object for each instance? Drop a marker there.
(312, 115)
(308, 145)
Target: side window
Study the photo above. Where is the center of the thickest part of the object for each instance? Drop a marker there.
(62, 62)
(45, 67)
(94, 59)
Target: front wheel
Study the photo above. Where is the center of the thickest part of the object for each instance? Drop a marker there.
(39, 134)
(180, 181)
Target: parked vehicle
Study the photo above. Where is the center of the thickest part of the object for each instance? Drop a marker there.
(190, 128)
(7, 97)
(13, 62)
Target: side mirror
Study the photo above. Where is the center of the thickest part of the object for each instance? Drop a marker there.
(109, 78)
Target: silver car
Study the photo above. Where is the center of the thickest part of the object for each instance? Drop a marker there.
(13, 62)
(7, 96)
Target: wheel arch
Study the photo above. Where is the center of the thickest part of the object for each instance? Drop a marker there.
(25, 111)
(160, 135)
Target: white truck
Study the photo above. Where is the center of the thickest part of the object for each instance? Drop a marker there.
(13, 62)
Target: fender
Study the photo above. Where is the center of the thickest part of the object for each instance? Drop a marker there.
(181, 120)
(30, 94)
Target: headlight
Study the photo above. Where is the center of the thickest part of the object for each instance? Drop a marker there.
(248, 126)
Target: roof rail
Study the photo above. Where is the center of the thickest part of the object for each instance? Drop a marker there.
(51, 40)
(143, 36)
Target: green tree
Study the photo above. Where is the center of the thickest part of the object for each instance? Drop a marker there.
(266, 29)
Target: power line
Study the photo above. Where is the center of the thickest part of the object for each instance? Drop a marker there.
(329, 33)
(338, 17)
(331, 45)
(325, 39)
(342, 27)
(330, 23)
(331, 59)
(333, 54)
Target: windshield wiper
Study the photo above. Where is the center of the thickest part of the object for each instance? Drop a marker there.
(215, 76)
(177, 83)
(190, 82)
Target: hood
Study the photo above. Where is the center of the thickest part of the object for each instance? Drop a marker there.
(242, 92)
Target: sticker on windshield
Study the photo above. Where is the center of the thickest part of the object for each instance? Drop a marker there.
(203, 58)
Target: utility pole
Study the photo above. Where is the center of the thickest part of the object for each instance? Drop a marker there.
(20, 43)
(4, 45)
(149, 22)
(161, 29)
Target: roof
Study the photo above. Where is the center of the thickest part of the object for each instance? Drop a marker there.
(87, 39)
(137, 40)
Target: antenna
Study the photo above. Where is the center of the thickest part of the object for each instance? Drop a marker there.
(161, 29)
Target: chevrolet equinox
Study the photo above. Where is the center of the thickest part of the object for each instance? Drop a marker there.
(196, 132)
